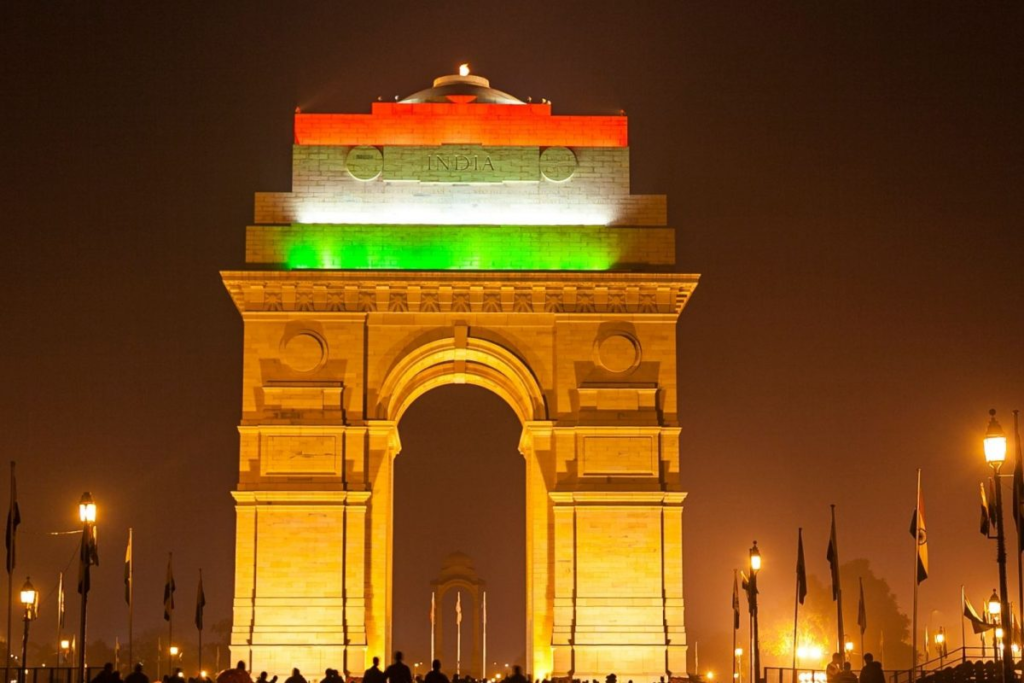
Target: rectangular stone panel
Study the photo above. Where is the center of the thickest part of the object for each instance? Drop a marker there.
(301, 455)
(462, 164)
(619, 455)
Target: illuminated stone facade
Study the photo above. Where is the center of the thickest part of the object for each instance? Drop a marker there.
(576, 332)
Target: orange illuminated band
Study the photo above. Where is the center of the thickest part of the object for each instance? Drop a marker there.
(458, 123)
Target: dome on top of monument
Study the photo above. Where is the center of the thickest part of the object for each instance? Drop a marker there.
(461, 88)
(457, 559)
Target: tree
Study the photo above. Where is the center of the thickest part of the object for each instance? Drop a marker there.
(888, 629)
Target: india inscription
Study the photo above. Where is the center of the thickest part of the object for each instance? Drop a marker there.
(462, 164)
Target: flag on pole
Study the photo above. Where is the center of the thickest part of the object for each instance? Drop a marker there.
(917, 530)
(927, 641)
(801, 568)
(60, 601)
(13, 520)
(169, 589)
(432, 608)
(200, 602)
(833, 559)
(735, 601)
(88, 555)
(748, 587)
(978, 624)
(986, 513)
(862, 611)
(128, 571)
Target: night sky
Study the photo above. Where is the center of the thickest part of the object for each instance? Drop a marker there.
(846, 177)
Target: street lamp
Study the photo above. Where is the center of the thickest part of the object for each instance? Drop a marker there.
(848, 646)
(755, 567)
(737, 664)
(940, 644)
(87, 557)
(28, 601)
(995, 455)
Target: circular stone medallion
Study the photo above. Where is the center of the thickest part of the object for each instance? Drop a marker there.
(618, 353)
(304, 352)
(557, 164)
(364, 163)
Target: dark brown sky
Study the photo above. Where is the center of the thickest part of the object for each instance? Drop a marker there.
(846, 176)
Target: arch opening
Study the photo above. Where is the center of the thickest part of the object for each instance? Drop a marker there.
(459, 486)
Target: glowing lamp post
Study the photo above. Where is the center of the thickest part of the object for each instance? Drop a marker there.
(65, 649)
(995, 455)
(87, 515)
(28, 601)
(940, 644)
(755, 567)
(737, 664)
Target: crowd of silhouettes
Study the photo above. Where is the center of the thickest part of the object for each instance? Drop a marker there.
(398, 672)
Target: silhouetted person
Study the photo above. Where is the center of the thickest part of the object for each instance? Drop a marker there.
(398, 672)
(374, 674)
(846, 675)
(263, 678)
(296, 677)
(435, 675)
(136, 676)
(834, 668)
(872, 670)
(106, 675)
(517, 675)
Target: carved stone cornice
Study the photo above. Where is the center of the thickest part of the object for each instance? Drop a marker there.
(582, 293)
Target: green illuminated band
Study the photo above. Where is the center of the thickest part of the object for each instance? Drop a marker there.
(460, 247)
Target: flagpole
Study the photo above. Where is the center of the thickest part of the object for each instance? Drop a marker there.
(131, 599)
(458, 636)
(433, 606)
(170, 613)
(199, 624)
(796, 597)
(1017, 513)
(963, 629)
(735, 620)
(60, 607)
(839, 592)
(11, 530)
(483, 671)
(917, 550)
(863, 626)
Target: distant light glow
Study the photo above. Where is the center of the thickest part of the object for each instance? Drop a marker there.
(463, 70)
(810, 652)
(442, 247)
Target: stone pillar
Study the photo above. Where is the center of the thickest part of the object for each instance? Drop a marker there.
(537, 445)
(382, 446)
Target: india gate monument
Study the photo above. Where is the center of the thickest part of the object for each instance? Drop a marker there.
(460, 236)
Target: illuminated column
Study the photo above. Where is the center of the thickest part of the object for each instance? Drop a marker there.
(536, 446)
(383, 446)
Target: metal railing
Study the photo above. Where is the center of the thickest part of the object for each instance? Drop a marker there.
(50, 674)
(963, 665)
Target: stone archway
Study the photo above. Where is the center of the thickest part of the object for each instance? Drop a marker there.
(459, 574)
(596, 391)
